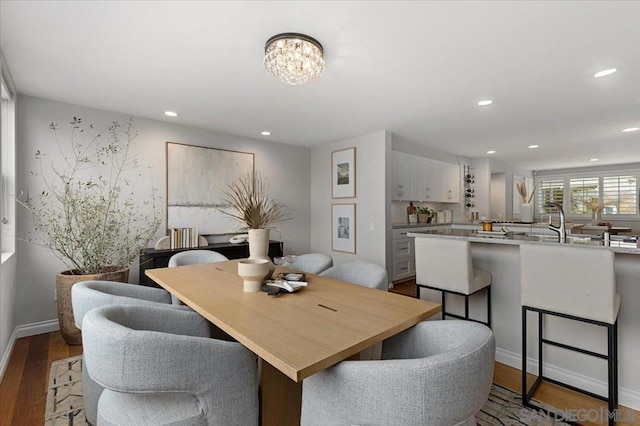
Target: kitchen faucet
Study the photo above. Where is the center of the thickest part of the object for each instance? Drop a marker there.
(561, 230)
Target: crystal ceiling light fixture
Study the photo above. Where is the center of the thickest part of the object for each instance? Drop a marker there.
(293, 58)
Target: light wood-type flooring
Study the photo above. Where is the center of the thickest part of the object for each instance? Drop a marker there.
(23, 388)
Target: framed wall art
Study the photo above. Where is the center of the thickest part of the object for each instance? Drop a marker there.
(196, 179)
(343, 173)
(343, 223)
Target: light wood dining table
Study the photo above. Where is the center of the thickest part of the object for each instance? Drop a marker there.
(296, 334)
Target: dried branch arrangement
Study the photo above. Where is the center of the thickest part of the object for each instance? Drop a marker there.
(250, 205)
(522, 190)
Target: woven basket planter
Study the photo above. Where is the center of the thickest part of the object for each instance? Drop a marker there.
(64, 281)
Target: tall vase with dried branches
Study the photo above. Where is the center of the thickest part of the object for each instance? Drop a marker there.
(249, 204)
(526, 208)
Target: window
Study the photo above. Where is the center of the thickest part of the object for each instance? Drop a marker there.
(582, 191)
(619, 195)
(549, 191)
(616, 191)
(7, 162)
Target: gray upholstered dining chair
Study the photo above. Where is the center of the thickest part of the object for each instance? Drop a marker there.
(312, 263)
(367, 274)
(87, 295)
(193, 257)
(159, 366)
(437, 373)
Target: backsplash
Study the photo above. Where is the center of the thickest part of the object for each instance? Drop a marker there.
(399, 210)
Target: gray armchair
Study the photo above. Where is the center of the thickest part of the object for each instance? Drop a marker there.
(437, 373)
(193, 257)
(312, 263)
(159, 367)
(87, 295)
(367, 274)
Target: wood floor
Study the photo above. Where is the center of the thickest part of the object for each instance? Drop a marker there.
(23, 389)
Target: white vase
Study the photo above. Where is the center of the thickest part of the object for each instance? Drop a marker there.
(526, 213)
(258, 243)
(259, 247)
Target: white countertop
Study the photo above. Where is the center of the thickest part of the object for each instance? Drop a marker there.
(514, 238)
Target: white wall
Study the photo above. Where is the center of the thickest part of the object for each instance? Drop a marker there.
(372, 197)
(286, 167)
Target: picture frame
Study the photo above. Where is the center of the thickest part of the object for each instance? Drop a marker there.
(343, 228)
(343, 173)
(197, 177)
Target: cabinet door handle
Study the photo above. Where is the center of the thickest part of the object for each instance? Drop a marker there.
(450, 194)
(403, 249)
(400, 190)
(427, 193)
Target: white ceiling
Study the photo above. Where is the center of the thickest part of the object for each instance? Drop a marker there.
(414, 68)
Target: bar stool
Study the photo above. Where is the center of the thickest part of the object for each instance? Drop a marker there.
(576, 283)
(445, 265)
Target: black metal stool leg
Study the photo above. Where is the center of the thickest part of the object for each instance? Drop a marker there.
(524, 355)
(444, 299)
(489, 306)
(466, 306)
(540, 337)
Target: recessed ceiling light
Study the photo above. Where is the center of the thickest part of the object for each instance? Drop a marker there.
(265, 133)
(534, 146)
(605, 73)
(485, 102)
(170, 114)
(632, 129)
(491, 152)
(594, 159)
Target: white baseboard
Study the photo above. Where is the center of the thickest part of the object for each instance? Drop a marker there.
(4, 362)
(626, 397)
(37, 328)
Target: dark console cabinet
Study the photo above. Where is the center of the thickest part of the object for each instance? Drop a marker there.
(152, 258)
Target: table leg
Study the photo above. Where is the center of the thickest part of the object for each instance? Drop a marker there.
(281, 398)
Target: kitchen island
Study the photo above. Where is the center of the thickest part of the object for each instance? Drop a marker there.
(498, 253)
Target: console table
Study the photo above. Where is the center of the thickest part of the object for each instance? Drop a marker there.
(152, 258)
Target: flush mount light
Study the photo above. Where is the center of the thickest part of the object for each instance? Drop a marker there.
(170, 114)
(485, 102)
(605, 73)
(293, 58)
(491, 152)
(594, 159)
(265, 133)
(631, 129)
(534, 146)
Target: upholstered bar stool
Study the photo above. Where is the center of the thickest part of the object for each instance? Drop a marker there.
(445, 265)
(577, 283)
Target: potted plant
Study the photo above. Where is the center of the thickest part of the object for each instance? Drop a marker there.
(425, 214)
(250, 205)
(87, 213)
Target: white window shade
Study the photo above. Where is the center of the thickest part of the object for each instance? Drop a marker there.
(549, 191)
(619, 195)
(582, 191)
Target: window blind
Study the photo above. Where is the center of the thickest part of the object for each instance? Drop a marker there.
(619, 195)
(549, 191)
(583, 190)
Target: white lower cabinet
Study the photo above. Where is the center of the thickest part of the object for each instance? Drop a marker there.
(404, 259)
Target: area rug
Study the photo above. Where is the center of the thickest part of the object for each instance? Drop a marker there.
(65, 405)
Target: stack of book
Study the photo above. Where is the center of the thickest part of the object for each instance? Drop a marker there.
(183, 238)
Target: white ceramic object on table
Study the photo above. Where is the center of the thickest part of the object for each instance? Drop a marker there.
(252, 272)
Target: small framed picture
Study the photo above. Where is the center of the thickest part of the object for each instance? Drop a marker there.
(343, 172)
(343, 230)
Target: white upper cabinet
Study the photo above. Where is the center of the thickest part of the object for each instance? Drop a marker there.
(422, 179)
(402, 176)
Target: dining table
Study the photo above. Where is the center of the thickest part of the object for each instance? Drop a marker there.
(294, 334)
